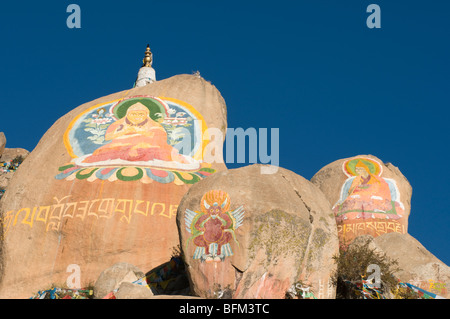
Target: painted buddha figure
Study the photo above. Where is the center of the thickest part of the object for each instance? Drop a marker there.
(366, 195)
(136, 137)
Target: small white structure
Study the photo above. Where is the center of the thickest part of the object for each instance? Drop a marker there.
(146, 74)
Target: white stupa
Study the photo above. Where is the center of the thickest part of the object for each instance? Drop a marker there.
(146, 74)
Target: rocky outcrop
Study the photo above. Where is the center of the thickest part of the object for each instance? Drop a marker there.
(98, 190)
(367, 196)
(418, 266)
(372, 199)
(250, 235)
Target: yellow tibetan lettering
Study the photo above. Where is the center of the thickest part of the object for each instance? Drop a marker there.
(83, 209)
(137, 211)
(124, 206)
(40, 217)
(173, 210)
(105, 208)
(90, 212)
(69, 206)
(155, 205)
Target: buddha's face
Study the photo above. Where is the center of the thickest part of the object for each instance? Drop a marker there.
(361, 172)
(137, 116)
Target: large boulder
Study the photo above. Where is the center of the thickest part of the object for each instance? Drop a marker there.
(418, 266)
(111, 279)
(250, 235)
(367, 196)
(103, 184)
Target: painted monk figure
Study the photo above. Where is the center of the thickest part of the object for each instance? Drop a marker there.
(368, 196)
(136, 137)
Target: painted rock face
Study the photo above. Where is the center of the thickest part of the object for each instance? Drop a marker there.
(368, 196)
(104, 184)
(250, 235)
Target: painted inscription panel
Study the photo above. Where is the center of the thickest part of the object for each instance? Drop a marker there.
(54, 214)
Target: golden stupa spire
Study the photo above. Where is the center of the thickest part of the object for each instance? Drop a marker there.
(147, 61)
(146, 74)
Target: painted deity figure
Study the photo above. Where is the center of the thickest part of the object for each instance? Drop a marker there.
(213, 228)
(136, 137)
(368, 195)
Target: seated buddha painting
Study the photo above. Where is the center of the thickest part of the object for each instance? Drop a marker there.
(367, 195)
(139, 131)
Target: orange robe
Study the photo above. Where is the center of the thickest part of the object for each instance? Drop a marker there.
(135, 142)
(368, 198)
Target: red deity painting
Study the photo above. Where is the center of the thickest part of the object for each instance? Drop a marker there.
(213, 228)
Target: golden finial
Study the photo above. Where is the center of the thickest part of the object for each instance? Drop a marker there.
(147, 61)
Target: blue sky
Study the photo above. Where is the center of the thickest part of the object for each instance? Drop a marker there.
(312, 68)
